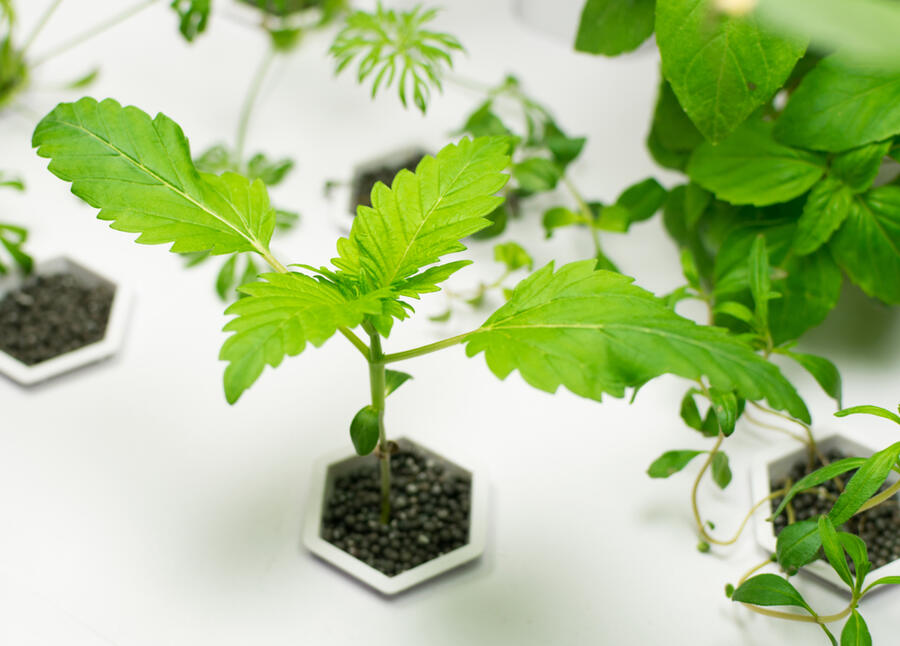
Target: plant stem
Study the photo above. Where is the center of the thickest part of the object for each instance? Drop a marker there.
(41, 23)
(885, 495)
(377, 382)
(93, 31)
(249, 101)
(356, 341)
(426, 349)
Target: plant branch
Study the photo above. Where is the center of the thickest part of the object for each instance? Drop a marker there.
(249, 101)
(426, 349)
(356, 341)
(39, 26)
(377, 382)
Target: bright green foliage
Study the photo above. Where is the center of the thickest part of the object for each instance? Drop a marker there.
(817, 477)
(798, 544)
(725, 406)
(864, 483)
(839, 106)
(537, 175)
(867, 246)
(833, 549)
(858, 168)
(826, 208)
(193, 16)
(581, 328)
(721, 68)
(856, 632)
(279, 317)
(878, 411)
(364, 430)
(823, 371)
(12, 239)
(396, 46)
(219, 159)
(423, 216)
(612, 27)
(750, 167)
(513, 256)
(673, 136)
(671, 462)
(393, 379)
(139, 173)
(769, 590)
(721, 470)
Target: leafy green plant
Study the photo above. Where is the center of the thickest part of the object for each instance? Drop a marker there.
(393, 46)
(13, 237)
(574, 326)
(803, 542)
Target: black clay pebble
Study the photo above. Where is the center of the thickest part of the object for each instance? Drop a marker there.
(429, 514)
(879, 527)
(363, 183)
(50, 315)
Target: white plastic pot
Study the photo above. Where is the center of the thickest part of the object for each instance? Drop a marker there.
(777, 463)
(102, 349)
(337, 463)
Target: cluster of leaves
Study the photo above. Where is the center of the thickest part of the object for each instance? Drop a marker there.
(803, 542)
(13, 70)
(241, 268)
(542, 153)
(12, 237)
(391, 45)
(574, 326)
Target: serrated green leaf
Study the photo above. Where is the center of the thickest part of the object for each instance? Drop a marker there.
(423, 216)
(856, 632)
(833, 549)
(826, 208)
(278, 317)
(613, 27)
(858, 168)
(769, 590)
(139, 173)
(364, 430)
(579, 327)
(867, 246)
(671, 462)
(823, 371)
(878, 411)
(798, 544)
(750, 167)
(831, 108)
(721, 68)
(513, 256)
(864, 484)
(721, 470)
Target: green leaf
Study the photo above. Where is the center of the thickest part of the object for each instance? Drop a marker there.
(139, 173)
(833, 106)
(725, 405)
(721, 68)
(721, 471)
(823, 371)
(642, 200)
(826, 208)
(689, 268)
(558, 217)
(364, 430)
(867, 246)
(225, 277)
(858, 168)
(760, 283)
(393, 379)
(736, 310)
(84, 80)
(564, 149)
(484, 123)
(536, 175)
(673, 136)
(671, 462)
(423, 216)
(613, 218)
(193, 16)
(798, 544)
(834, 551)
(271, 172)
(278, 317)
(769, 590)
(864, 484)
(580, 327)
(856, 548)
(750, 167)
(869, 410)
(613, 27)
(689, 411)
(855, 632)
(886, 580)
(513, 256)
(817, 477)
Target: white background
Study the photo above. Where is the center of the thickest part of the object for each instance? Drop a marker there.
(137, 508)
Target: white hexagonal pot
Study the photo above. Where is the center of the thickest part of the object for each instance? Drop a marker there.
(776, 463)
(343, 206)
(335, 464)
(106, 347)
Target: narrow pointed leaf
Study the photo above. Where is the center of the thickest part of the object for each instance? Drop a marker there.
(856, 632)
(671, 462)
(769, 590)
(864, 484)
(834, 551)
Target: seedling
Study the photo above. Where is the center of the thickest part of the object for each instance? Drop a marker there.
(590, 330)
(14, 237)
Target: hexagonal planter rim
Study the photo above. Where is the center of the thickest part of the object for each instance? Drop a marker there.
(391, 585)
(760, 488)
(26, 375)
(341, 195)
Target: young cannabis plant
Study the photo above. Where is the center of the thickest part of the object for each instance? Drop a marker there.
(396, 45)
(589, 330)
(805, 541)
(12, 237)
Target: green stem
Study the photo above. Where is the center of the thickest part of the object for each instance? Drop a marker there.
(93, 31)
(249, 101)
(586, 213)
(426, 349)
(377, 382)
(41, 23)
(356, 341)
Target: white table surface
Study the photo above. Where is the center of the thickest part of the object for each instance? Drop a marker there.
(138, 509)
